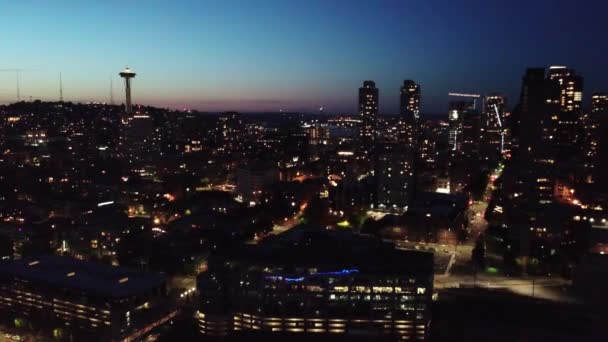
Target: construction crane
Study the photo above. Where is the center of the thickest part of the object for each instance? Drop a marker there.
(473, 96)
(502, 130)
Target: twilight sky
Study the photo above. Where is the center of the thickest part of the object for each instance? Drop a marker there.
(296, 55)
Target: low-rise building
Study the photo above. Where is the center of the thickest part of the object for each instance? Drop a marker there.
(315, 281)
(78, 300)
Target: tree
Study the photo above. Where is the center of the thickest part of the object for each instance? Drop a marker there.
(478, 256)
(317, 211)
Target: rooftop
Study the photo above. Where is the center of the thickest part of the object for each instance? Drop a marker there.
(93, 278)
(308, 245)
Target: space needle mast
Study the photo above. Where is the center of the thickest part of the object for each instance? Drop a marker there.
(128, 74)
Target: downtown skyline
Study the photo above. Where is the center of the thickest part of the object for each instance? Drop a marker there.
(267, 57)
(304, 170)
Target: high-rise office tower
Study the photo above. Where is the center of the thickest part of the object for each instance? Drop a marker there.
(455, 117)
(599, 102)
(317, 133)
(395, 176)
(594, 129)
(471, 132)
(230, 132)
(533, 90)
(571, 87)
(127, 74)
(464, 136)
(409, 111)
(493, 127)
(427, 147)
(534, 126)
(563, 128)
(368, 113)
(410, 99)
(141, 146)
(539, 103)
(600, 161)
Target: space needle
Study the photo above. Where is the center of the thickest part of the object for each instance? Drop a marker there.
(128, 74)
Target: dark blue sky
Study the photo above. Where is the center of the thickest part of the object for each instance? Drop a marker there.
(262, 55)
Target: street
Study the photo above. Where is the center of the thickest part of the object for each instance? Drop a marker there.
(453, 268)
(477, 209)
(548, 288)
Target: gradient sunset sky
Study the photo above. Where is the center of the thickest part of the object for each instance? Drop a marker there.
(295, 55)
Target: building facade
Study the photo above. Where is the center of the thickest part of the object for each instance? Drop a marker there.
(570, 87)
(78, 300)
(456, 115)
(314, 281)
(394, 171)
(494, 128)
(368, 113)
(230, 130)
(410, 98)
(599, 102)
(409, 112)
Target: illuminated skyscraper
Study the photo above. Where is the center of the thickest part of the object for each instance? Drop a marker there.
(409, 111)
(368, 112)
(534, 125)
(456, 114)
(563, 128)
(230, 132)
(464, 141)
(410, 99)
(599, 102)
(594, 125)
(471, 132)
(493, 126)
(571, 87)
(141, 145)
(395, 176)
(539, 104)
(600, 161)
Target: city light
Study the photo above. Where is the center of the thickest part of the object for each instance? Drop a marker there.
(276, 171)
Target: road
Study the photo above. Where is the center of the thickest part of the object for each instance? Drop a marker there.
(453, 269)
(446, 256)
(16, 337)
(548, 288)
(477, 209)
(286, 225)
(281, 227)
(289, 223)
